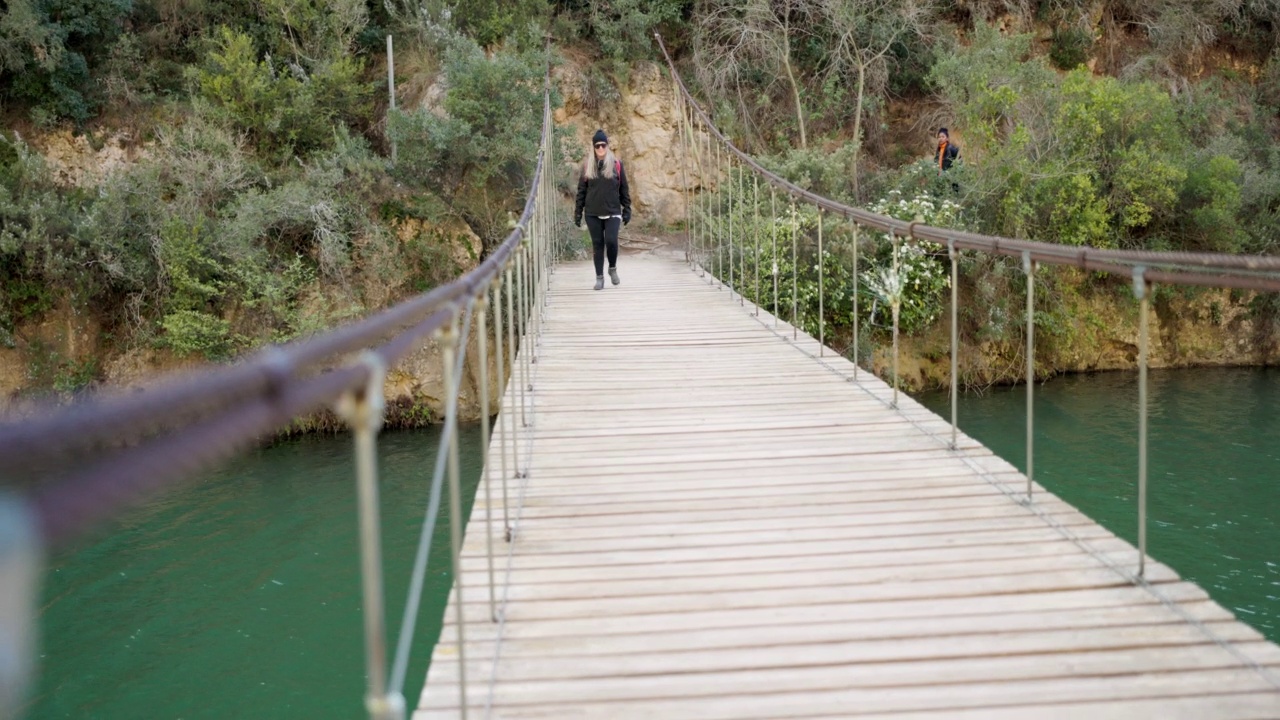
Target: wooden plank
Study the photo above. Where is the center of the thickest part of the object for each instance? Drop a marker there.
(715, 524)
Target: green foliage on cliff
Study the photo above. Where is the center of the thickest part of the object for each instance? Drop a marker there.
(264, 202)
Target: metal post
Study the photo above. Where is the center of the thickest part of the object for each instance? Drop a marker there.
(511, 351)
(363, 411)
(1143, 290)
(704, 196)
(742, 249)
(448, 351)
(521, 320)
(720, 223)
(895, 306)
(391, 89)
(21, 566)
(955, 340)
(773, 223)
(822, 320)
(729, 210)
(527, 340)
(684, 175)
(503, 415)
(1029, 266)
(755, 209)
(482, 310)
(856, 229)
(795, 271)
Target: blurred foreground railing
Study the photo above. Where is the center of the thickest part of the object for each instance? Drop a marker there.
(87, 462)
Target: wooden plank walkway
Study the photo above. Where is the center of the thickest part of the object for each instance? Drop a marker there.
(718, 525)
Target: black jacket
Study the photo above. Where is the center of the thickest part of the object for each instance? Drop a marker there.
(952, 152)
(604, 196)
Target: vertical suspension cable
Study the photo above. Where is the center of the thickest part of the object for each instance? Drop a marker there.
(521, 321)
(511, 381)
(1029, 266)
(822, 320)
(503, 414)
(704, 198)
(955, 340)
(742, 238)
(795, 270)
(773, 223)
(1143, 290)
(719, 233)
(526, 299)
(755, 209)
(729, 211)
(684, 174)
(856, 340)
(418, 576)
(449, 346)
(482, 310)
(363, 410)
(895, 306)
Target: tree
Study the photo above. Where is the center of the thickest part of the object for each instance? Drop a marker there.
(739, 44)
(478, 153)
(47, 48)
(864, 32)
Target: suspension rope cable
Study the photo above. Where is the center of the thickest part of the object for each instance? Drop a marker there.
(1252, 272)
(417, 576)
(1244, 272)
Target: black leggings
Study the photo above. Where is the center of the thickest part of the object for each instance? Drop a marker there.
(604, 235)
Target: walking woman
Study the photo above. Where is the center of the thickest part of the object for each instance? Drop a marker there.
(605, 200)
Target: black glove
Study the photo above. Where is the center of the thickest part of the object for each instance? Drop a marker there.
(626, 218)
(577, 220)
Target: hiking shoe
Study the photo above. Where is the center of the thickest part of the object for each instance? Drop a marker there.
(599, 282)
(613, 275)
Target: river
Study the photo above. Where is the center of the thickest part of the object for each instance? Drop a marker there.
(239, 595)
(1213, 477)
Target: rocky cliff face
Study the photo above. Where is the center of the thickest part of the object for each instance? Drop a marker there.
(643, 126)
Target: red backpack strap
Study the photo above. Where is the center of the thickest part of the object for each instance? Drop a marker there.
(617, 168)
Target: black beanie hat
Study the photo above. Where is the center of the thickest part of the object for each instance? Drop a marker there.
(599, 137)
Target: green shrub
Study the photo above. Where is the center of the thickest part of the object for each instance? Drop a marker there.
(47, 48)
(285, 108)
(191, 332)
(477, 157)
(1069, 48)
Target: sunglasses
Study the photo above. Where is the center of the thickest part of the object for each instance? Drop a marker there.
(600, 145)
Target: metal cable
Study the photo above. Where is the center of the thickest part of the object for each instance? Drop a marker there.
(417, 577)
(1020, 498)
(1187, 268)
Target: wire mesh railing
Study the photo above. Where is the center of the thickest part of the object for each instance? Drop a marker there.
(84, 463)
(715, 238)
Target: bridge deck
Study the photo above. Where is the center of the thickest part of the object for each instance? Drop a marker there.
(718, 525)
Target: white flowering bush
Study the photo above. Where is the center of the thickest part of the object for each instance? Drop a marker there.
(923, 275)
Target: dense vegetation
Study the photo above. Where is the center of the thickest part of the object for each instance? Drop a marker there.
(265, 203)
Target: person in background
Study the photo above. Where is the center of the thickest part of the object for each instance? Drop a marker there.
(605, 200)
(947, 151)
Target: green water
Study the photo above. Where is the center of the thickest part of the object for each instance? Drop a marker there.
(1214, 478)
(238, 596)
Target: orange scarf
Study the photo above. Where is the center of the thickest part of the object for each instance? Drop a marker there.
(942, 154)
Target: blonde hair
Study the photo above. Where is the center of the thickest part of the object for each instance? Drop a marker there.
(589, 165)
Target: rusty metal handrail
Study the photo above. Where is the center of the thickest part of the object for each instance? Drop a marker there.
(1143, 268)
(103, 444)
(110, 452)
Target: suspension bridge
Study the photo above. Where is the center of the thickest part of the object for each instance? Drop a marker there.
(690, 507)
